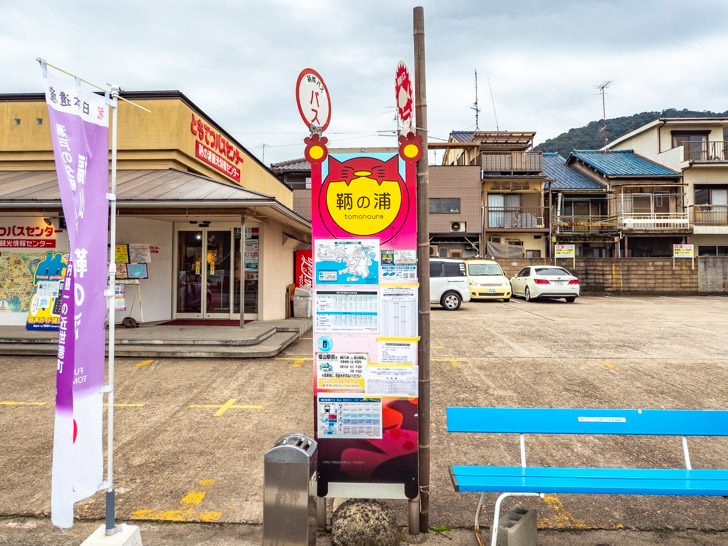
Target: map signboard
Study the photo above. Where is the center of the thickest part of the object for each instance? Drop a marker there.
(365, 314)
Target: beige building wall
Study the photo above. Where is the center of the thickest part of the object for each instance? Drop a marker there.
(275, 270)
(456, 182)
(159, 139)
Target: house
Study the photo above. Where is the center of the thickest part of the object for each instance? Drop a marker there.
(696, 148)
(514, 219)
(617, 203)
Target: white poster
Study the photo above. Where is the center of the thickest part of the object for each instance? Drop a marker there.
(397, 352)
(346, 311)
(344, 416)
(398, 266)
(392, 379)
(337, 372)
(399, 311)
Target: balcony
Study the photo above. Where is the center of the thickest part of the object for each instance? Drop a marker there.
(710, 215)
(585, 225)
(657, 221)
(512, 163)
(714, 150)
(515, 218)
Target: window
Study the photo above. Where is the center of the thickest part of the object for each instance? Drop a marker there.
(444, 205)
(695, 144)
(523, 272)
(713, 250)
(533, 254)
(454, 269)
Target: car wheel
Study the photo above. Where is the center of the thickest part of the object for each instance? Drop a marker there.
(570, 299)
(527, 294)
(451, 301)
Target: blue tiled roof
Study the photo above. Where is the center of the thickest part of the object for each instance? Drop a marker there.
(462, 136)
(566, 178)
(621, 163)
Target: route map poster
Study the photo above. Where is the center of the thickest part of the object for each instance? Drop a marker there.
(365, 313)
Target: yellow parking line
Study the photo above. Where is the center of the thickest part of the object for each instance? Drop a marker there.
(297, 360)
(8, 403)
(144, 363)
(454, 362)
(125, 405)
(187, 513)
(222, 408)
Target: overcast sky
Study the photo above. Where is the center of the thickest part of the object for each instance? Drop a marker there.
(239, 60)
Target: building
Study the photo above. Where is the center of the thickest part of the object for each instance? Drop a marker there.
(514, 209)
(202, 208)
(697, 148)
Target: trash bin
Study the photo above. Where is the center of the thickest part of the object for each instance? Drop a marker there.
(289, 496)
(302, 302)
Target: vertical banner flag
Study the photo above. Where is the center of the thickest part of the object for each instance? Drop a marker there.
(365, 313)
(80, 134)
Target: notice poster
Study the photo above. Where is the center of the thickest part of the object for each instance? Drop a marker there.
(397, 352)
(44, 312)
(391, 379)
(346, 311)
(399, 311)
(364, 229)
(348, 417)
(139, 253)
(398, 266)
(336, 372)
(122, 254)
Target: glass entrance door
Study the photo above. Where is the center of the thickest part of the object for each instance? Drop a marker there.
(204, 271)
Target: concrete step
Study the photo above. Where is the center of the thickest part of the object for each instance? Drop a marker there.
(270, 346)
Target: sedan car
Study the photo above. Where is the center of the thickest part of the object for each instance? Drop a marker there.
(545, 281)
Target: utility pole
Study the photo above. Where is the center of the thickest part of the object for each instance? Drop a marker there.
(423, 265)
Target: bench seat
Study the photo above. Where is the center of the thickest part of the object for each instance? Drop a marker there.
(605, 481)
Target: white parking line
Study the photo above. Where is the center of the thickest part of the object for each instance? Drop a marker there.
(706, 331)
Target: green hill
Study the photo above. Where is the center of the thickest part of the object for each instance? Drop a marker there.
(590, 137)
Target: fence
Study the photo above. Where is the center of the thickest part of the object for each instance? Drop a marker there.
(645, 275)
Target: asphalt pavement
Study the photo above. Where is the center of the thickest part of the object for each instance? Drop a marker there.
(191, 433)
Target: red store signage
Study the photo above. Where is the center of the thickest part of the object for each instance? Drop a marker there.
(220, 163)
(215, 150)
(304, 268)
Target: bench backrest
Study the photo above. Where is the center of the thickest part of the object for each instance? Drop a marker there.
(588, 421)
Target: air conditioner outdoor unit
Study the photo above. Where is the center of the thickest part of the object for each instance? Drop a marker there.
(434, 251)
(458, 227)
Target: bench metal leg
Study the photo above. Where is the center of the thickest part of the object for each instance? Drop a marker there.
(496, 515)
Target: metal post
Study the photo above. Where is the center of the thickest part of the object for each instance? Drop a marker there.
(110, 499)
(423, 261)
(242, 271)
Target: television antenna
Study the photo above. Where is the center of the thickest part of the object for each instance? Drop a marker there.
(602, 91)
(492, 100)
(475, 105)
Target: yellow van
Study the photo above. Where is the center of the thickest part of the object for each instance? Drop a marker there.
(487, 280)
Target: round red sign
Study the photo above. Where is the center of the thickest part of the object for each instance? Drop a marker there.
(403, 91)
(312, 96)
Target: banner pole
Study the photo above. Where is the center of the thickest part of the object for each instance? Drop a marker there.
(111, 292)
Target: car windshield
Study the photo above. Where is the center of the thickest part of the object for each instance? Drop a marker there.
(484, 269)
(551, 271)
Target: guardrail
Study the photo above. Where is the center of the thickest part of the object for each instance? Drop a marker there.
(713, 150)
(668, 221)
(710, 215)
(592, 224)
(515, 217)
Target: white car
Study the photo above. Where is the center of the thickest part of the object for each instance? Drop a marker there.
(545, 281)
(448, 283)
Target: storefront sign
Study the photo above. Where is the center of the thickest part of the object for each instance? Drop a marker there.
(211, 158)
(304, 268)
(79, 127)
(17, 233)
(682, 251)
(365, 317)
(403, 92)
(565, 251)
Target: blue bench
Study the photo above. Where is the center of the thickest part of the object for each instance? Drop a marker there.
(535, 481)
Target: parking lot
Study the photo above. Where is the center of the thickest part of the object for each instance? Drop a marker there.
(188, 425)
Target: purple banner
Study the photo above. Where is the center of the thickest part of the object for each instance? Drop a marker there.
(80, 133)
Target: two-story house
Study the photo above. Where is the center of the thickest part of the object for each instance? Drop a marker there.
(697, 148)
(514, 220)
(617, 203)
